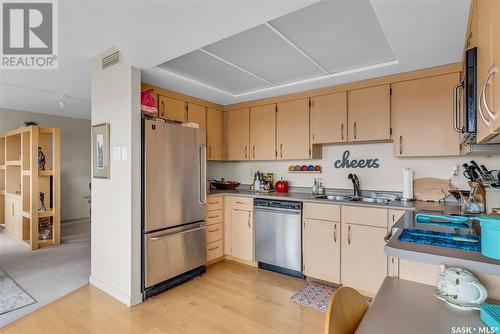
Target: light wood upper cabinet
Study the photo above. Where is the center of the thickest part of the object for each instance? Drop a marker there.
(329, 118)
(363, 261)
(197, 114)
(369, 114)
(422, 117)
(238, 134)
(172, 109)
(322, 250)
(495, 79)
(293, 129)
(214, 134)
(242, 234)
(263, 132)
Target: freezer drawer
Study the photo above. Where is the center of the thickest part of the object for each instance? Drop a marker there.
(174, 251)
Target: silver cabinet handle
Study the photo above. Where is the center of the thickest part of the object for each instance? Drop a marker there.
(456, 114)
(335, 233)
(213, 248)
(176, 234)
(483, 118)
(486, 83)
(281, 150)
(213, 217)
(238, 202)
(211, 203)
(355, 128)
(162, 111)
(349, 235)
(400, 145)
(253, 151)
(249, 220)
(209, 151)
(212, 231)
(342, 131)
(246, 155)
(203, 174)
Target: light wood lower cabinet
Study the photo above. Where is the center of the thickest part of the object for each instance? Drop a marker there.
(363, 261)
(393, 216)
(215, 228)
(329, 118)
(321, 249)
(13, 217)
(242, 237)
(369, 113)
(422, 117)
(214, 135)
(263, 132)
(238, 134)
(293, 129)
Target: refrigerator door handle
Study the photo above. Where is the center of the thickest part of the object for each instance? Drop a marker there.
(203, 174)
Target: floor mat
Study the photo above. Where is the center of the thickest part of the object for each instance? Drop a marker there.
(316, 296)
(12, 296)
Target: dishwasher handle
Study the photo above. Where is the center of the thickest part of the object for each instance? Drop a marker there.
(277, 211)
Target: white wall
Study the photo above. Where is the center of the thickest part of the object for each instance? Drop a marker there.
(75, 156)
(387, 177)
(115, 231)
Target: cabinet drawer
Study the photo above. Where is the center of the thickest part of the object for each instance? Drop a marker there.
(364, 216)
(215, 217)
(329, 212)
(214, 203)
(243, 203)
(214, 232)
(214, 250)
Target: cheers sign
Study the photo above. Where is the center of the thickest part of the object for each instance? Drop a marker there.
(362, 163)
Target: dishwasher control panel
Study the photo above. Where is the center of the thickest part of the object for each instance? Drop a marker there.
(278, 204)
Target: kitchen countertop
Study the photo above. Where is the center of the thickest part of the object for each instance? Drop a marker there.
(402, 306)
(307, 197)
(470, 260)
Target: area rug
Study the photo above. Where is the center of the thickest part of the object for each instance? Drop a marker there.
(316, 296)
(12, 296)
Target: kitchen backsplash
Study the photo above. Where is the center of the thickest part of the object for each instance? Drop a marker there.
(386, 177)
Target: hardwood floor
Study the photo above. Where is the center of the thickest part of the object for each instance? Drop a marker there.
(229, 298)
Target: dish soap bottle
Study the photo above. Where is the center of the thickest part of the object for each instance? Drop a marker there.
(321, 189)
(315, 187)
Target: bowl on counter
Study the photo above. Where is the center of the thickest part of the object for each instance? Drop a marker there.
(225, 185)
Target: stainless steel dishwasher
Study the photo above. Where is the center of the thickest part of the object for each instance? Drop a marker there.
(278, 236)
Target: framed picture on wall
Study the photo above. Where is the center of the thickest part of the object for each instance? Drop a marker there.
(100, 151)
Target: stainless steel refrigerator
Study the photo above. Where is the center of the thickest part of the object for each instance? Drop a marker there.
(173, 205)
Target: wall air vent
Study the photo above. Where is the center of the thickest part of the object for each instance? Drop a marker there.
(111, 60)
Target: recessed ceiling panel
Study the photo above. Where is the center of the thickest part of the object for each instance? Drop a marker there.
(207, 69)
(339, 35)
(263, 52)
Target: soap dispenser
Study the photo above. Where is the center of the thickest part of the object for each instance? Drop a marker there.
(315, 187)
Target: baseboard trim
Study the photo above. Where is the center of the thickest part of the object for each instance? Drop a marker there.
(120, 296)
(235, 259)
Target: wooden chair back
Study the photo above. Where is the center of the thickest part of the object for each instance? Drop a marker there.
(345, 310)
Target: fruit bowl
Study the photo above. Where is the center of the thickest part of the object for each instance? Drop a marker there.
(225, 185)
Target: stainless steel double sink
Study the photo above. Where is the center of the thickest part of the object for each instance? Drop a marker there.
(355, 199)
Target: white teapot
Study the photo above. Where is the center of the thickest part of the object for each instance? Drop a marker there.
(460, 287)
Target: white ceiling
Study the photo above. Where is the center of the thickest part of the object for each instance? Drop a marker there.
(419, 33)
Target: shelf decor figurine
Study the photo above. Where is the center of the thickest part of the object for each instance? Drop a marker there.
(44, 228)
(41, 159)
(42, 202)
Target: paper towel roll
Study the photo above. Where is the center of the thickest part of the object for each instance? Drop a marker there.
(407, 183)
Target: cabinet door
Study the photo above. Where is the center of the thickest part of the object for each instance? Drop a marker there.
(238, 134)
(393, 216)
(172, 109)
(263, 132)
(369, 113)
(329, 118)
(242, 234)
(9, 215)
(363, 261)
(422, 117)
(197, 114)
(322, 250)
(214, 134)
(18, 219)
(293, 129)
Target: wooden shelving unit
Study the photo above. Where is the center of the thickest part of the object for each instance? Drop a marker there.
(21, 182)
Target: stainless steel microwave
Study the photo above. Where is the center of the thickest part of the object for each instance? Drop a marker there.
(465, 113)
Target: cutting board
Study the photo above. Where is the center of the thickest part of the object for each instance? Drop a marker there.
(430, 189)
